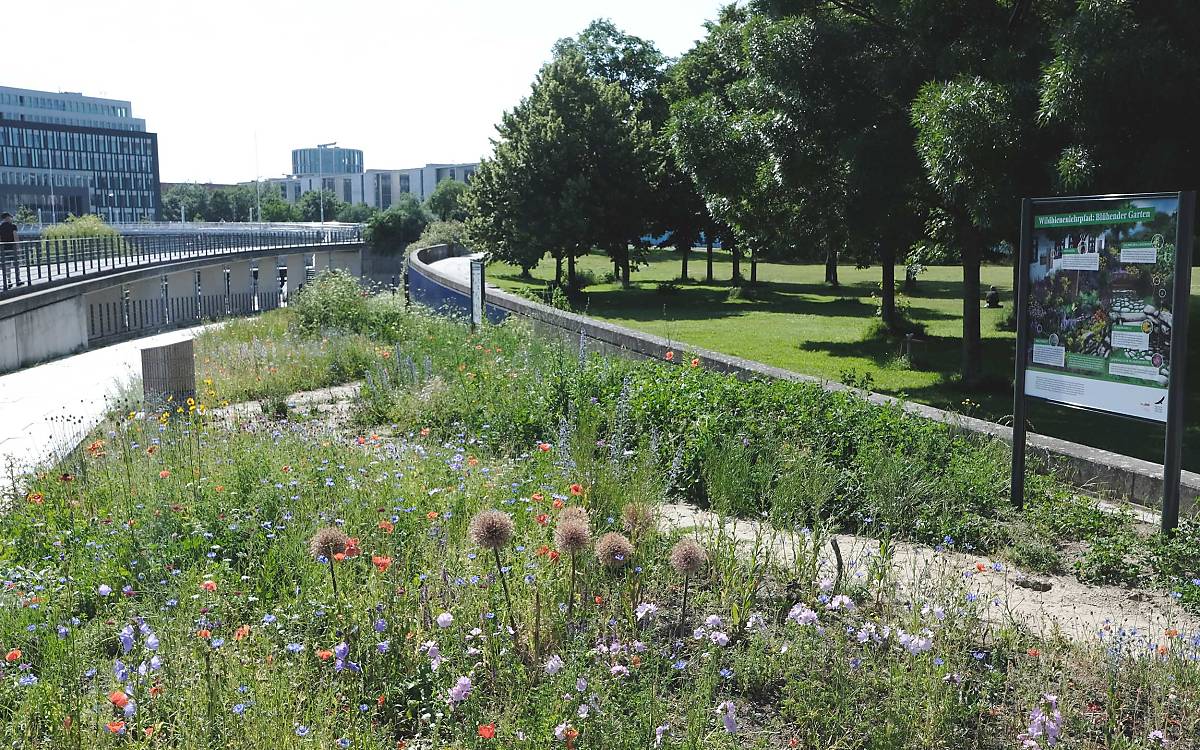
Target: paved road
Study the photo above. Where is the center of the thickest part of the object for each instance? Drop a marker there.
(48, 408)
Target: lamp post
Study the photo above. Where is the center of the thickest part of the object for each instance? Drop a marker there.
(321, 179)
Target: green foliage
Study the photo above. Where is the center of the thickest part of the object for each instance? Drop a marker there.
(446, 201)
(79, 227)
(393, 230)
(25, 215)
(356, 213)
(442, 233)
(309, 207)
(1176, 561)
(333, 300)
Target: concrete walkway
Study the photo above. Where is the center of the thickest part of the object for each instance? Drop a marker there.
(47, 409)
(459, 268)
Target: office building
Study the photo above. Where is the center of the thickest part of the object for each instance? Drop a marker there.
(340, 171)
(66, 153)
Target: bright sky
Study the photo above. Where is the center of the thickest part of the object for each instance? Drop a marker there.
(407, 82)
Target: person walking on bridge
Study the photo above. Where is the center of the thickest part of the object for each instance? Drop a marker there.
(8, 249)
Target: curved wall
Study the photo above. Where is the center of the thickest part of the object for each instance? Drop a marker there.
(1117, 475)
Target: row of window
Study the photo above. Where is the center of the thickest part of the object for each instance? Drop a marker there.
(64, 104)
(83, 123)
(95, 181)
(41, 159)
(34, 137)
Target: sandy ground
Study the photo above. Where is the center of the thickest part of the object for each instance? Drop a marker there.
(1069, 608)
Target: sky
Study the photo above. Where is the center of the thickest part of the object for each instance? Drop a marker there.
(232, 87)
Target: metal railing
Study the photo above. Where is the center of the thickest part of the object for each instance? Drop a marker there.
(44, 261)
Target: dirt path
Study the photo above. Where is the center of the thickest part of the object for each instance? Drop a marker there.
(1076, 610)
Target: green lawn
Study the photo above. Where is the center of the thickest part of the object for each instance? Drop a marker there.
(793, 320)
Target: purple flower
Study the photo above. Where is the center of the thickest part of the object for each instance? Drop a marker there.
(380, 625)
(126, 639)
(802, 615)
(104, 589)
(728, 716)
(659, 732)
(444, 620)
(460, 692)
(554, 664)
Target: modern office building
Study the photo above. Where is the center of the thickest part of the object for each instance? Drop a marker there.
(339, 170)
(327, 160)
(66, 153)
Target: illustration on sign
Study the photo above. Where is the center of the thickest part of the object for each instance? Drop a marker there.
(1101, 287)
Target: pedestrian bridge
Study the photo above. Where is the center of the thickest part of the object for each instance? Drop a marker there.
(61, 296)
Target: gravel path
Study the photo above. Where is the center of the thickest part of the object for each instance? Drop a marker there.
(1073, 609)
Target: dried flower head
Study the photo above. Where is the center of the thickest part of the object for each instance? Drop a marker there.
(636, 518)
(328, 542)
(688, 557)
(574, 512)
(613, 550)
(572, 534)
(491, 529)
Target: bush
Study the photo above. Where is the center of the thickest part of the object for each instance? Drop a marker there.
(442, 233)
(77, 227)
(332, 300)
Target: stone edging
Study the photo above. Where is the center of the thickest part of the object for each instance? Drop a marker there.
(1102, 472)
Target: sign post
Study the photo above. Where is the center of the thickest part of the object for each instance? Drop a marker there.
(477, 294)
(1102, 315)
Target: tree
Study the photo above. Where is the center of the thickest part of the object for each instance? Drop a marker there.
(356, 213)
(445, 202)
(274, 208)
(391, 231)
(309, 205)
(188, 202)
(25, 215)
(565, 173)
(220, 206)
(966, 138)
(443, 233)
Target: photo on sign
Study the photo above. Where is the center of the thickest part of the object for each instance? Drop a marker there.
(1101, 286)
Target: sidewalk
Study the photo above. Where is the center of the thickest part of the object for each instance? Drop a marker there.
(46, 409)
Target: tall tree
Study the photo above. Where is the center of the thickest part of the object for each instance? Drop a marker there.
(309, 205)
(445, 202)
(564, 173)
(392, 231)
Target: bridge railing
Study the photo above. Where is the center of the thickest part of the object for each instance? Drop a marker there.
(40, 261)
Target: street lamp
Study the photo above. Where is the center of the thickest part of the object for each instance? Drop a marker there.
(321, 178)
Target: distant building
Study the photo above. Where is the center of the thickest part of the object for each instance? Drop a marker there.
(66, 153)
(327, 160)
(340, 171)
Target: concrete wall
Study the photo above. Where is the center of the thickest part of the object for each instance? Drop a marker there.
(43, 333)
(1101, 472)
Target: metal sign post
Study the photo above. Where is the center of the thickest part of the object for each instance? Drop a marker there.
(477, 294)
(1102, 312)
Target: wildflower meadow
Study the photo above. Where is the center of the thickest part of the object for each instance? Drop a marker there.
(472, 554)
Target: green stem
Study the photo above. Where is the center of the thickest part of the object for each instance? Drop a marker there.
(507, 599)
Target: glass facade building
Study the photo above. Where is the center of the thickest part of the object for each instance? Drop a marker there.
(63, 154)
(331, 160)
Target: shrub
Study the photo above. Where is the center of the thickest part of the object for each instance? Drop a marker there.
(332, 300)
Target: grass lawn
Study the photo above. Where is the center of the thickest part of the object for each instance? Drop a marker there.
(793, 320)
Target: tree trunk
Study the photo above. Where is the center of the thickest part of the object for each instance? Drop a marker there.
(753, 265)
(526, 272)
(558, 271)
(684, 249)
(708, 247)
(735, 253)
(972, 363)
(887, 308)
(625, 268)
(831, 259)
(571, 271)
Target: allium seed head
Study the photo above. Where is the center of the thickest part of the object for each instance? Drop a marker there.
(328, 542)
(491, 529)
(574, 512)
(636, 518)
(687, 557)
(572, 534)
(613, 550)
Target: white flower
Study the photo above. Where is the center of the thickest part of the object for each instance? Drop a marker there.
(445, 619)
(646, 609)
(841, 601)
(718, 638)
(802, 615)
(554, 664)
(712, 621)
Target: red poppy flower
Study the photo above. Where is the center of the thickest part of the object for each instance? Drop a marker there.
(118, 699)
(352, 548)
(544, 447)
(487, 731)
(164, 474)
(13, 655)
(577, 489)
(542, 519)
(241, 633)
(204, 633)
(382, 562)
(387, 526)
(558, 504)
(116, 727)
(554, 555)
(209, 585)
(324, 654)
(669, 356)
(599, 600)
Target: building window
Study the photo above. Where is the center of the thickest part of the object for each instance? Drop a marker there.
(347, 190)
